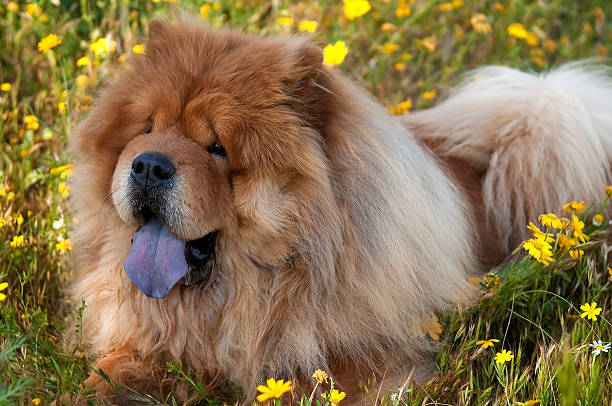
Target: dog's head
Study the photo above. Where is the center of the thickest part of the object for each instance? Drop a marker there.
(208, 137)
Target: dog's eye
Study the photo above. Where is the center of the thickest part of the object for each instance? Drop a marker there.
(217, 149)
(149, 127)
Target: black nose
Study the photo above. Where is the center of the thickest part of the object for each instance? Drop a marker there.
(150, 170)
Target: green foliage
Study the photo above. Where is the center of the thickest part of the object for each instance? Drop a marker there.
(531, 308)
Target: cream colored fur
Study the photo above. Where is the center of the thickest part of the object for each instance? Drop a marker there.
(543, 140)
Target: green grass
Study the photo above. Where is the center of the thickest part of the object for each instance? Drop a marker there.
(532, 309)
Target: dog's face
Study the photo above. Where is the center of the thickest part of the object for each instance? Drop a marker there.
(197, 149)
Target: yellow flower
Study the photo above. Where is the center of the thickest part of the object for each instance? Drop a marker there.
(503, 357)
(539, 249)
(387, 27)
(400, 66)
(17, 241)
(402, 108)
(12, 6)
(19, 219)
(446, 6)
(389, 48)
(307, 25)
(591, 311)
(610, 273)
(36, 401)
(549, 45)
(602, 50)
(429, 325)
(538, 234)
(487, 343)
(537, 55)
(334, 397)
(44, 18)
(138, 49)
(429, 43)
(63, 189)
(3, 286)
(432, 327)
(63, 245)
(31, 122)
(532, 39)
(429, 95)
(403, 10)
(48, 43)
(573, 206)
(588, 28)
(480, 23)
(517, 30)
(550, 220)
(273, 389)
(61, 107)
(566, 244)
(64, 170)
(6, 87)
(608, 191)
(33, 10)
(334, 54)
(83, 61)
(204, 10)
(82, 80)
(102, 46)
(285, 20)
(598, 220)
(529, 402)
(451, 5)
(406, 56)
(578, 225)
(356, 8)
(498, 7)
(320, 376)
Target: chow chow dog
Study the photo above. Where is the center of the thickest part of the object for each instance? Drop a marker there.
(251, 213)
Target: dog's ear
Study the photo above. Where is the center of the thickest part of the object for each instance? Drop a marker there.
(307, 82)
(308, 61)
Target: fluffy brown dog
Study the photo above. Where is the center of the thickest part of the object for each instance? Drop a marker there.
(251, 213)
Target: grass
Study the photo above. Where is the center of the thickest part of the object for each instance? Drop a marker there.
(531, 308)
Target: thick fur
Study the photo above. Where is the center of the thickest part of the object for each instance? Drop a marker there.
(539, 141)
(340, 232)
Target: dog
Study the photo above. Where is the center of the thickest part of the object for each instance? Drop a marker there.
(251, 213)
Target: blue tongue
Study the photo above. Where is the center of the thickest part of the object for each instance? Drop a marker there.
(157, 259)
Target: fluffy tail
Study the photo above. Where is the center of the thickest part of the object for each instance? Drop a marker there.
(540, 140)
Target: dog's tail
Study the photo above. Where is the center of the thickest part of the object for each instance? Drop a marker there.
(539, 140)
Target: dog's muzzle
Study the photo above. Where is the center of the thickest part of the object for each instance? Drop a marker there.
(158, 260)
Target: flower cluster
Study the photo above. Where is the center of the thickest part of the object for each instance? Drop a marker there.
(565, 235)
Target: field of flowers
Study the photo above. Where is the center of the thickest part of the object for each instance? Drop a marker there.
(540, 332)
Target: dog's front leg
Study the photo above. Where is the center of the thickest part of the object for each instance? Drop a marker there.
(123, 378)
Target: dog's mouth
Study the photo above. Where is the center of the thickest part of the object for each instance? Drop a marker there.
(158, 260)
